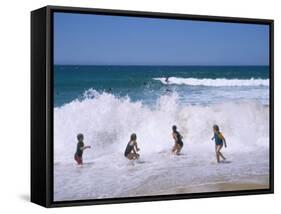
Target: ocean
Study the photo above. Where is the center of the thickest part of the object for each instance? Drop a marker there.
(193, 84)
(108, 103)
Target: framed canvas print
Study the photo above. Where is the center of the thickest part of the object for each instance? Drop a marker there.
(141, 106)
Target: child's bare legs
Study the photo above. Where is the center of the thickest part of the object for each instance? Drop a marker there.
(136, 156)
(179, 147)
(174, 148)
(78, 159)
(130, 156)
(133, 156)
(218, 153)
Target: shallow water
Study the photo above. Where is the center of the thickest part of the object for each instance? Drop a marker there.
(161, 173)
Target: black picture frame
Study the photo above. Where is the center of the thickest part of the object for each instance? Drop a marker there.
(42, 105)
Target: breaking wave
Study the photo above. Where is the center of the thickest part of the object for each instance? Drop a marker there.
(107, 122)
(214, 82)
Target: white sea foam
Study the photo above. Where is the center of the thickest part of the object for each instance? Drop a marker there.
(107, 122)
(214, 82)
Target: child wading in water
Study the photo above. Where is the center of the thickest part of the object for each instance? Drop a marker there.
(178, 141)
(79, 150)
(132, 148)
(220, 141)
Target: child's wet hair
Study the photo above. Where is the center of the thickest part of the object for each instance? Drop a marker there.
(174, 127)
(80, 136)
(216, 127)
(133, 136)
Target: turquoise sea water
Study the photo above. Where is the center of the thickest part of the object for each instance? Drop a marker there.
(193, 84)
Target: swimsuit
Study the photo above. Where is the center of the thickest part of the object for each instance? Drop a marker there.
(218, 140)
(179, 137)
(78, 159)
(79, 153)
(129, 148)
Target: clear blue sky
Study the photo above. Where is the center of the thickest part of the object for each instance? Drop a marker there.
(114, 40)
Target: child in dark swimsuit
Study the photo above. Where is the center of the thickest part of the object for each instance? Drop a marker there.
(132, 148)
(79, 149)
(178, 141)
(219, 141)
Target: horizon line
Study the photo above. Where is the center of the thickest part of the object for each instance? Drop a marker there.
(61, 64)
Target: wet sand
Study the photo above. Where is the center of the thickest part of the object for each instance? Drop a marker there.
(248, 183)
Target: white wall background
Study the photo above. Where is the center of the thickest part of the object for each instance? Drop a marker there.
(15, 104)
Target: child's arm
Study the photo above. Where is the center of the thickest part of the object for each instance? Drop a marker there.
(223, 139)
(175, 137)
(85, 147)
(134, 150)
(137, 148)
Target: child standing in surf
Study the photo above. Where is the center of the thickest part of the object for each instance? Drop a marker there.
(79, 150)
(132, 148)
(219, 141)
(178, 141)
